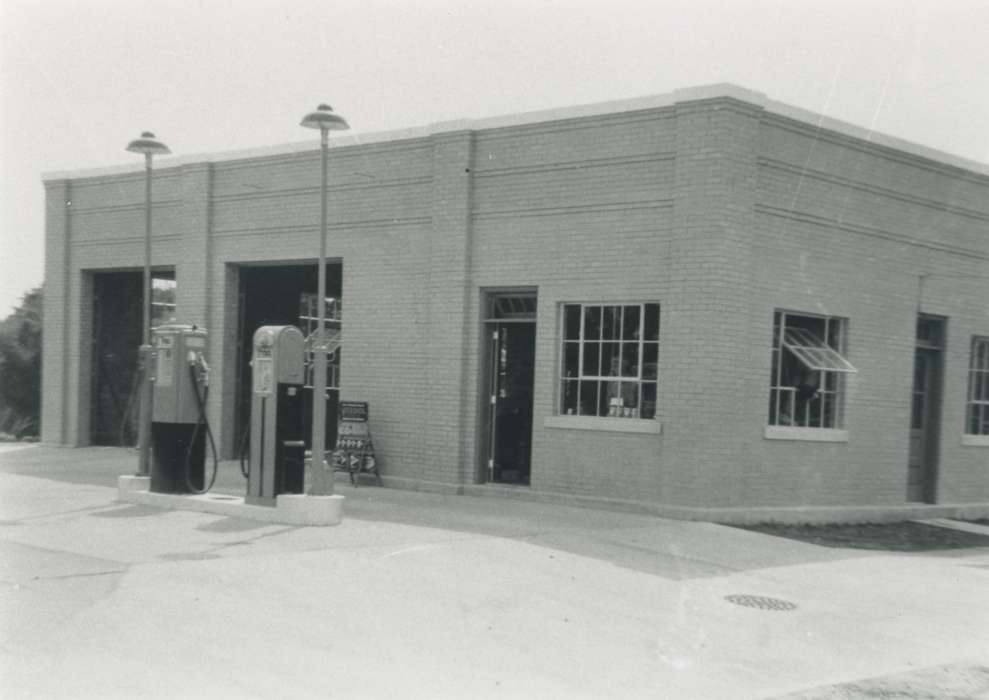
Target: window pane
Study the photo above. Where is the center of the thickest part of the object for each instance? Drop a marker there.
(814, 325)
(834, 334)
(785, 402)
(648, 400)
(571, 322)
(630, 359)
(610, 359)
(592, 322)
(630, 322)
(568, 398)
(612, 323)
(650, 360)
(571, 359)
(919, 373)
(917, 413)
(651, 329)
(608, 399)
(592, 357)
(589, 398)
(630, 397)
(828, 410)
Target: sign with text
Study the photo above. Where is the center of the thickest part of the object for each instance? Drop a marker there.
(353, 411)
(354, 450)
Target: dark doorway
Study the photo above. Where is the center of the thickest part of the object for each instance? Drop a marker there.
(117, 318)
(282, 295)
(925, 414)
(510, 328)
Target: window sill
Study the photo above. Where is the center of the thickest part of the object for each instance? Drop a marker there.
(778, 432)
(614, 425)
(975, 440)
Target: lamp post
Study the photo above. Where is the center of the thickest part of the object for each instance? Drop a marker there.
(149, 146)
(326, 121)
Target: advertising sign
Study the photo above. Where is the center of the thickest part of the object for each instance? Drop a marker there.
(354, 450)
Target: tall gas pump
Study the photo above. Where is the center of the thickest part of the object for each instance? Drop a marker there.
(179, 428)
(277, 427)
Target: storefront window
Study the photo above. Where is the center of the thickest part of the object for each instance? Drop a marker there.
(978, 389)
(609, 361)
(808, 369)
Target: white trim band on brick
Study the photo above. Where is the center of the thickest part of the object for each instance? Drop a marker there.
(778, 432)
(614, 425)
(688, 94)
(975, 440)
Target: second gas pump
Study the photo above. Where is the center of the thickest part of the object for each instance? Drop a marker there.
(277, 436)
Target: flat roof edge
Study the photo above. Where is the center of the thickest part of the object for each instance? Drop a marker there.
(876, 137)
(689, 94)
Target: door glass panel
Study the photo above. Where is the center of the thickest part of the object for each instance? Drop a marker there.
(512, 425)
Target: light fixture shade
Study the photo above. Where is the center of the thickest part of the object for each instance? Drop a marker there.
(325, 118)
(148, 144)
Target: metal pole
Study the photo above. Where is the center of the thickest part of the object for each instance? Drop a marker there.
(322, 483)
(144, 352)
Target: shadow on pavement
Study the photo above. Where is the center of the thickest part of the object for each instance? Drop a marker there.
(667, 548)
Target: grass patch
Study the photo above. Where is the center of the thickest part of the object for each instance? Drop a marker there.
(893, 537)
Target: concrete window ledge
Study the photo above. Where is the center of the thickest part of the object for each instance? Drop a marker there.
(777, 432)
(615, 425)
(975, 440)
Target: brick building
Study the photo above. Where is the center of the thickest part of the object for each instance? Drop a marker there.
(704, 304)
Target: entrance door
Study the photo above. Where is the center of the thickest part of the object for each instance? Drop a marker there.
(925, 412)
(511, 361)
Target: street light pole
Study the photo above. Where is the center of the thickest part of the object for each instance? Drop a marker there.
(149, 146)
(322, 482)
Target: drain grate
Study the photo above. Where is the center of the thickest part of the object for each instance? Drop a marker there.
(761, 602)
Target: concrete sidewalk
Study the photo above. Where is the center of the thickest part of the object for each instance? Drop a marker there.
(430, 596)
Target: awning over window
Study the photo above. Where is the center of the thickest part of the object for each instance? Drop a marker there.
(814, 353)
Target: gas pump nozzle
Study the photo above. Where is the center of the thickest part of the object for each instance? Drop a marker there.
(197, 361)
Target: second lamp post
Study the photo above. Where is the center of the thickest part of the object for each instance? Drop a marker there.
(326, 121)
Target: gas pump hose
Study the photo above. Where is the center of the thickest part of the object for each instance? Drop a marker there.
(244, 453)
(203, 420)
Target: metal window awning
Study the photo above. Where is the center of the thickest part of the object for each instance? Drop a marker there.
(814, 353)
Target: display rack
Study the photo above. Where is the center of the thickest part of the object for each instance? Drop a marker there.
(308, 323)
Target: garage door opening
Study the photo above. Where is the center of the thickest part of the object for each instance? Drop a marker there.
(117, 319)
(279, 295)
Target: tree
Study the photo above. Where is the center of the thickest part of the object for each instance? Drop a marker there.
(20, 367)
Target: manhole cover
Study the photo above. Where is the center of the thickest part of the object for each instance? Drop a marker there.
(761, 602)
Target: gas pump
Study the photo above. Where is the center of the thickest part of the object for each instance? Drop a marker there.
(179, 427)
(277, 432)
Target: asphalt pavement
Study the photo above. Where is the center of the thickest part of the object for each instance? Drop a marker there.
(431, 596)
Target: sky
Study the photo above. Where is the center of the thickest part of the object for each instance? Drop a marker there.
(80, 78)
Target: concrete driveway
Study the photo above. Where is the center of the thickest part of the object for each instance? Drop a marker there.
(426, 596)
